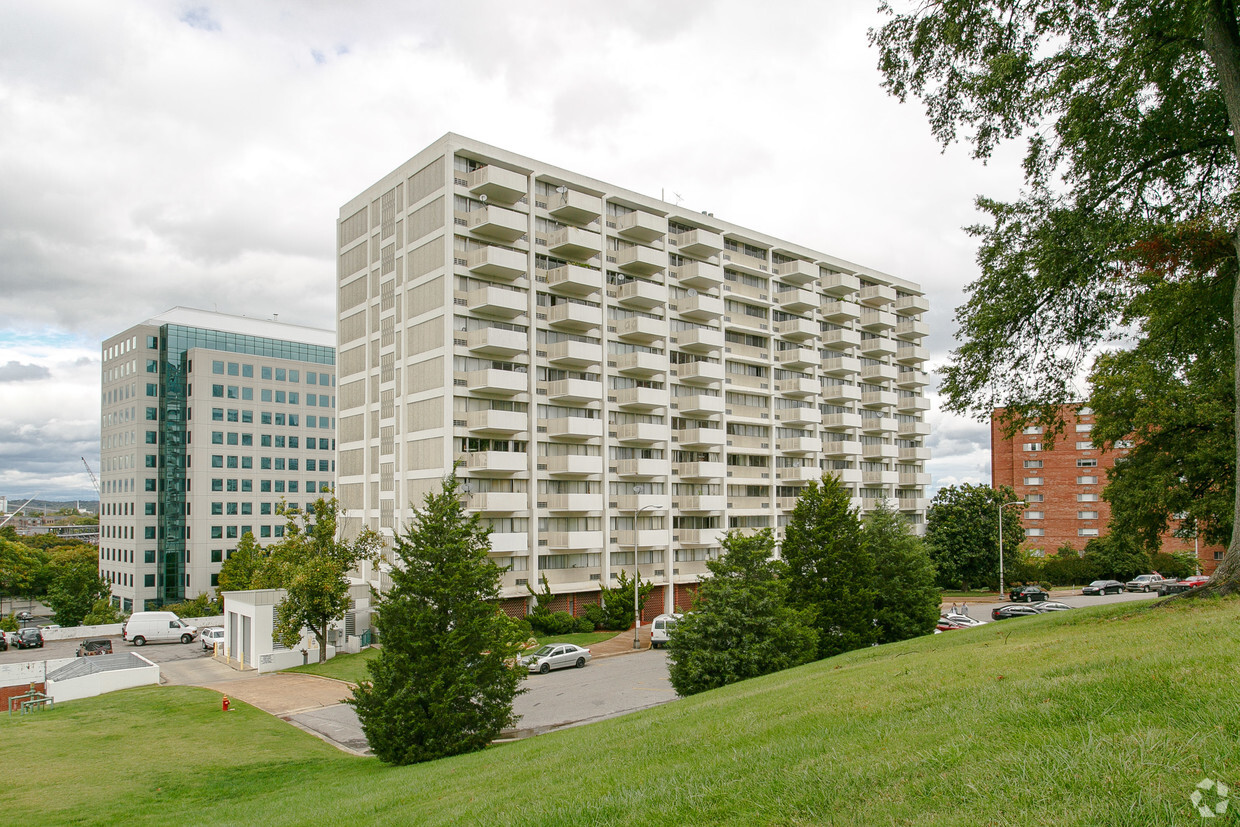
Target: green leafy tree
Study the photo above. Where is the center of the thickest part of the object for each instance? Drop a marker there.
(962, 533)
(1131, 116)
(201, 606)
(830, 571)
(101, 613)
(243, 568)
(617, 601)
(24, 570)
(443, 683)
(1117, 556)
(75, 583)
(8, 622)
(312, 565)
(741, 625)
(907, 602)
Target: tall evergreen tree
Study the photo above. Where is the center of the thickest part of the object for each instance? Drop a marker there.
(442, 683)
(741, 626)
(962, 533)
(907, 602)
(830, 572)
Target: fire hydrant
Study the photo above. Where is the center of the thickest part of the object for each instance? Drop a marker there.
(225, 703)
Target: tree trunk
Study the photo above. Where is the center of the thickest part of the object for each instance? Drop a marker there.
(321, 634)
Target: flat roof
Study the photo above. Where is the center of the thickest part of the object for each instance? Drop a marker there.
(246, 326)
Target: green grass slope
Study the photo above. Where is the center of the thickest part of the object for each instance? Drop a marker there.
(1102, 716)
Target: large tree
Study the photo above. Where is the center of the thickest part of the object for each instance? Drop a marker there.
(741, 625)
(907, 602)
(443, 683)
(243, 568)
(962, 533)
(312, 565)
(75, 583)
(1131, 114)
(830, 571)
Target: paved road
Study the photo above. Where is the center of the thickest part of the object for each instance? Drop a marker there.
(54, 649)
(1075, 599)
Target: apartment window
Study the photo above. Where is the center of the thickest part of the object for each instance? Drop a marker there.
(1033, 498)
(217, 391)
(264, 531)
(1032, 429)
(148, 509)
(217, 556)
(1084, 429)
(217, 460)
(217, 437)
(148, 556)
(152, 437)
(150, 460)
(217, 532)
(1087, 463)
(1033, 480)
(1086, 480)
(217, 414)
(1034, 532)
(217, 508)
(148, 580)
(1087, 532)
(149, 532)
(1032, 515)
(149, 485)
(1087, 498)
(1033, 463)
(1084, 445)
(152, 414)
(1087, 515)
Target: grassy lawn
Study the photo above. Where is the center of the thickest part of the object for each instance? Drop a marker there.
(586, 639)
(343, 667)
(1098, 716)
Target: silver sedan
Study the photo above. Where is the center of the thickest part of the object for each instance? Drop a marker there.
(556, 656)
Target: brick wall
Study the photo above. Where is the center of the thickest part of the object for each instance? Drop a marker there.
(7, 692)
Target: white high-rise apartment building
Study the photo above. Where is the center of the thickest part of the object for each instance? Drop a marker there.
(209, 421)
(621, 380)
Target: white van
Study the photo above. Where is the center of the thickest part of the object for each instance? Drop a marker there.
(156, 627)
(661, 629)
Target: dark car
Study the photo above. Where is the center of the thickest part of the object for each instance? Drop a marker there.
(1029, 594)
(1105, 587)
(25, 617)
(1048, 606)
(100, 646)
(4, 642)
(29, 639)
(1013, 610)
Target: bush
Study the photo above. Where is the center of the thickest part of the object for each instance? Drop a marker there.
(584, 624)
(598, 617)
(554, 623)
(1177, 566)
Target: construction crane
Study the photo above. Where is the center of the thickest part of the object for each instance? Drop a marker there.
(93, 481)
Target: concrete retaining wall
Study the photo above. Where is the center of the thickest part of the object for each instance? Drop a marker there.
(88, 686)
(114, 629)
(31, 671)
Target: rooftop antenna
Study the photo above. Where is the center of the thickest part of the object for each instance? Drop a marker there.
(275, 317)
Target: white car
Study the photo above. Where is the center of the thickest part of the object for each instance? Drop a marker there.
(211, 636)
(556, 656)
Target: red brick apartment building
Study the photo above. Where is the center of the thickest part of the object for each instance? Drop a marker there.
(1063, 486)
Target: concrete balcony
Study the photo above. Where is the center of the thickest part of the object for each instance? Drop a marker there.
(797, 300)
(641, 226)
(799, 445)
(842, 339)
(574, 207)
(910, 354)
(841, 449)
(641, 467)
(799, 416)
(700, 373)
(911, 330)
(701, 470)
(645, 538)
(574, 243)
(574, 354)
(804, 473)
(574, 317)
(633, 502)
(878, 347)
(749, 504)
(509, 542)
(912, 504)
(914, 454)
(839, 284)
(496, 462)
(909, 379)
(575, 540)
(500, 382)
(705, 502)
(874, 374)
(641, 295)
(498, 302)
(574, 391)
(877, 320)
(879, 399)
(641, 399)
(641, 260)
(878, 452)
(699, 242)
(797, 387)
(913, 480)
(700, 340)
(877, 295)
(699, 274)
(841, 366)
(878, 425)
(498, 223)
(797, 272)
(700, 404)
(496, 422)
(641, 364)
(701, 437)
(841, 312)
(841, 394)
(746, 323)
(912, 305)
(574, 502)
(796, 329)
(912, 404)
(496, 341)
(574, 465)
(879, 477)
(574, 280)
(641, 329)
(837, 421)
(700, 307)
(502, 501)
(699, 536)
(798, 358)
(642, 433)
(497, 184)
(848, 476)
(912, 430)
(574, 428)
(497, 262)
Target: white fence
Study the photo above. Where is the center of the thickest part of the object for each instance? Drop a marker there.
(114, 629)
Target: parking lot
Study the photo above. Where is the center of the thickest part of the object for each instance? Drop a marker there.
(55, 649)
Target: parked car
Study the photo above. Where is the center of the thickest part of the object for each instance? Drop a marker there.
(25, 617)
(1104, 587)
(1187, 584)
(1013, 610)
(1197, 580)
(1051, 606)
(211, 636)
(556, 656)
(29, 639)
(4, 641)
(49, 627)
(957, 620)
(1145, 582)
(1029, 594)
(96, 646)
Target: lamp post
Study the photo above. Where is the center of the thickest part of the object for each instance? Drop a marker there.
(637, 576)
(1001, 507)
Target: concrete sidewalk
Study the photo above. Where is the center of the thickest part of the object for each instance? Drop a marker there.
(621, 644)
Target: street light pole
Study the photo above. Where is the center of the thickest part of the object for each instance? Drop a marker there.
(1001, 507)
(637, 574)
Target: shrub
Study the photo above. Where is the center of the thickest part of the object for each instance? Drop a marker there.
(584, 624)
(597, 616)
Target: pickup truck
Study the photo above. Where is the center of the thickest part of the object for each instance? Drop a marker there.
(1146, 582)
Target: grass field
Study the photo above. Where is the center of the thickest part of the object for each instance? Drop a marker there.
(1099, 716)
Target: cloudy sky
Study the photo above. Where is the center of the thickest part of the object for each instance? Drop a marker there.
(156, 154)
